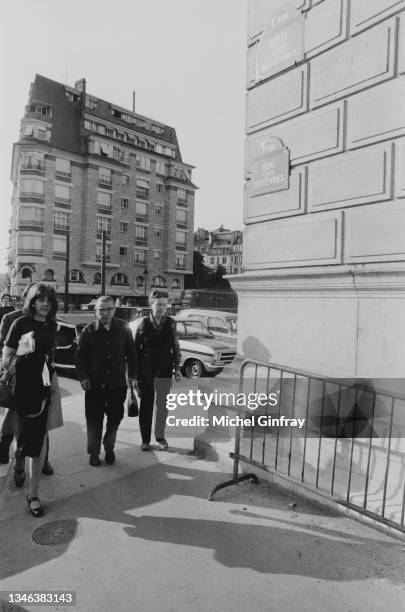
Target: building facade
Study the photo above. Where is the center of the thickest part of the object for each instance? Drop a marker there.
(324, 248)
(83, 166)
(221, 247)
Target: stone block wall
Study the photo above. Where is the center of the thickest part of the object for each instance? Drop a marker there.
(327, 77)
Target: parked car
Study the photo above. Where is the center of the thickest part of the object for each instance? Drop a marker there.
(67, 335)
(89, 306)
(201, 352)
(223, 325)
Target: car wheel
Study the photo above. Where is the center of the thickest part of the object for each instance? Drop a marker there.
(194, 369)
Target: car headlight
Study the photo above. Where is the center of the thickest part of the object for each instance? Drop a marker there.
(217, 356)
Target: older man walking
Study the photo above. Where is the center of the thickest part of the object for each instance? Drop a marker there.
(106, 349)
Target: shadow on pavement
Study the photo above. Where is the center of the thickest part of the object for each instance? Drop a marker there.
(278, 547)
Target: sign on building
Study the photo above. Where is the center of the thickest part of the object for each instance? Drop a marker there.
(271, 170)
(282, 44)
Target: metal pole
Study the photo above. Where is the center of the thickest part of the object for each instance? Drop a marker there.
(103, 250)
(67, 266)
(145, 276)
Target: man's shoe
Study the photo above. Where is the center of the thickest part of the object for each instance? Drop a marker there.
(163, 445)
(94, 460)
(110, 457)
(145, 446)
(4, 454)
(47, 469)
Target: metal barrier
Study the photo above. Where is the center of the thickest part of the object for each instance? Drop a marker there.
(352, 448)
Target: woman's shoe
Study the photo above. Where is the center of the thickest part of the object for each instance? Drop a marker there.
(19, 478)
(34, 506)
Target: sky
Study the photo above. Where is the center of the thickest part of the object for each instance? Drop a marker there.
(185, 59)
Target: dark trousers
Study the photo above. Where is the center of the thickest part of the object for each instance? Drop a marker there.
(109, 402)
(148, 386)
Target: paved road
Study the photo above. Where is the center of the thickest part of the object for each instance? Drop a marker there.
(144, 537)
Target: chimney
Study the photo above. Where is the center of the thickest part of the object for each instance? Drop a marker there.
(81, 85)
(133, 101)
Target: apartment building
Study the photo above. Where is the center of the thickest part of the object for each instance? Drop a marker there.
(83, 166)
(221, 247)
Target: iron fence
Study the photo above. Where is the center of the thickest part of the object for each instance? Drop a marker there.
(351, 448)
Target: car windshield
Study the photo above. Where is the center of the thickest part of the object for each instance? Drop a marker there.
(232, 324)
(193, 329)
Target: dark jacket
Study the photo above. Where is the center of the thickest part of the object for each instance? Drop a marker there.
(102, 356)
(157, 348)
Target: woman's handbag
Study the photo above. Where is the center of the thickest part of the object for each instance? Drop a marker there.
(7, 384)
(132, 402)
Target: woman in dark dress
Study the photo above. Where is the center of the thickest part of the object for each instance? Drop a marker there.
(29, 350)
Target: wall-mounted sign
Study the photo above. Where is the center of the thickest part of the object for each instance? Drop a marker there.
(271, 170)
(282, 44)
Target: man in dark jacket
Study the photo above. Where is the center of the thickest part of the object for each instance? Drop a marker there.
(105, 351)
(158, 354)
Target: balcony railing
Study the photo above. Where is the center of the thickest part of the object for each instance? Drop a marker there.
(105, 181)
(33, 168)
(180, 266)
(31, 194)
(31, 223)
(63, 175)
(141, 241)
(107, 258)
(182, 224)
(143, 194)
(61, 226)
(107, 234)
(181, 247)
(30, 251)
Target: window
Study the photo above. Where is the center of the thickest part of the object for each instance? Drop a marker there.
(61, 220)
(181, 217)
(139, 281)
(59, 245)
(42, 134)
(26, 273)
(49, 275)
(143, 163)
(124, 251)
(140, 257)
(141, 210)
(160, 166)
(124, 227)
(99, 248)
(76, 276)
(91, 103)
(159, 188)
(104, 176)
(124, 203)
(158, 281)
(32, 215)
(181, 240)
(217, 325)
(142, 189)
(119, 279)
(120, 136)
(32, 187)
(32, 161)
(180, 261)
(181, 195)
(176, 283)
(224, 260)
(109, 132)
(104, 199)
(158, 211)
(212, 260)
(156, 255)
(103, 225)
(30, 245)
(158, 232)
(62, 193)
(125, 180)
(141, 233)
(62, 167)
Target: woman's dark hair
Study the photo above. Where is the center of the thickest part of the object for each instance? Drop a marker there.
(40, 290)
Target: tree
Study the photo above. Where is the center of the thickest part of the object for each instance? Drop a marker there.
(216, 279)
(199, 279)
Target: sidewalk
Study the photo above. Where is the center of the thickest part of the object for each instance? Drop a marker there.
(144, 537)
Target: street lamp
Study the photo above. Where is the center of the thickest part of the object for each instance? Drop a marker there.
(67, 266)
(145, 275)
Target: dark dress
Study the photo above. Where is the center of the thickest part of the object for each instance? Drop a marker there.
(32, 396)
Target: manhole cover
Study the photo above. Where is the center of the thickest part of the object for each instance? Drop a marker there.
(57, 532)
